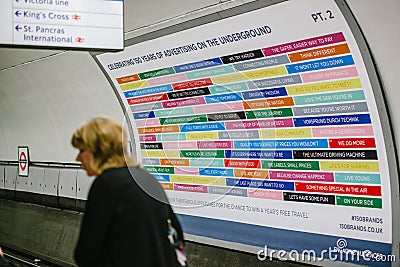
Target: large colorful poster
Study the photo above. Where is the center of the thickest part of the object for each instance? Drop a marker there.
(264, 130)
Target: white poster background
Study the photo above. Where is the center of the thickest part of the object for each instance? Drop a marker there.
(289, 21)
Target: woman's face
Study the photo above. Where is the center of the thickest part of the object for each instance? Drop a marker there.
(85, 156)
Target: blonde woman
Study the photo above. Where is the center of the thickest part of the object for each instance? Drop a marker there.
(127, 212)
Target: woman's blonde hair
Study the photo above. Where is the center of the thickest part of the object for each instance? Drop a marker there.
(107, 141)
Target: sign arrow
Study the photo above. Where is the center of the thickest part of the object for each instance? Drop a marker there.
(17, 13)
(79, 39)
(18, 28)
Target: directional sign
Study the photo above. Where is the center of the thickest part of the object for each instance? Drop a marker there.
(86, 25)
(23, 161)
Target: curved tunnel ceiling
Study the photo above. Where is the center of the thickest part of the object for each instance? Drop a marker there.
(12, 57)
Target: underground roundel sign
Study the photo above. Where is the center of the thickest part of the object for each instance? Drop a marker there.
(23, 160)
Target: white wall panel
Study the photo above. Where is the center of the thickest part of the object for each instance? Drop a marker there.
(67, 183)
(36, 180)
(83, 184)
(51, 177)
(1, 177)
(22, 183)
(10, 176)
(33, 183)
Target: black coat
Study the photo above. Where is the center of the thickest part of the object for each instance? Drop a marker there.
(125, 222)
